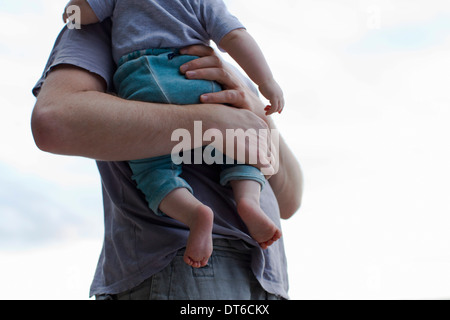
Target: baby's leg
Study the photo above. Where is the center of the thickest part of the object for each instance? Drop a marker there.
(181, 205)
(261, 228)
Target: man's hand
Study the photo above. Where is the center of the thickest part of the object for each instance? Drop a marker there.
(211, 67)
(236, 93)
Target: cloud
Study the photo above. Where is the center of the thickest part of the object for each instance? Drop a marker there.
(21, 6)
(62, 270)
(406, 37)
(34, 211)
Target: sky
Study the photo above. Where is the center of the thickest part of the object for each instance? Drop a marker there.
(367, 113)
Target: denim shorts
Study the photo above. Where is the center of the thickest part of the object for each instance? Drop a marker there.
(154, 76)
(227, 276)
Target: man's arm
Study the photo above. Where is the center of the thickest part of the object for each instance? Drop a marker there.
(73, 115)
(288, 183)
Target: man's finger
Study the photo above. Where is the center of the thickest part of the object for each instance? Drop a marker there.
(233, 97)
(202, 63)
(219, 75)
(198, 50)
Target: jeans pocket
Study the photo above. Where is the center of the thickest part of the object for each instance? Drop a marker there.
(205, 272)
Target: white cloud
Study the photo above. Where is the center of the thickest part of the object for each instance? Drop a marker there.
(62, 271)
(35, 211)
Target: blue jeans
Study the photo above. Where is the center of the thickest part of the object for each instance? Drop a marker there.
(227, 276)
(153, 75)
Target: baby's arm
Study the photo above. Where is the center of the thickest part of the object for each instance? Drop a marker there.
(87, 15)
(245, 51)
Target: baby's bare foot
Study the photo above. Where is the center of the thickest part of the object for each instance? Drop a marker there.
(261, 228)
(199, 246)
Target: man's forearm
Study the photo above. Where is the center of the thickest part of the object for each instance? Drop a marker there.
(287, 184)
(104, 127)
(73, 117)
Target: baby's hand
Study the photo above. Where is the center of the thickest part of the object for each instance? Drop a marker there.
(65, 15)
(271, 90)
(85, 13)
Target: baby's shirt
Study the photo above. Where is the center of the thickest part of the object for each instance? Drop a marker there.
(145, 24)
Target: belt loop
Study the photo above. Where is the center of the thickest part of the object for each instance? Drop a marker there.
(173, 54)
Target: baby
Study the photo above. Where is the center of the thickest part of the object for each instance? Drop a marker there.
(146, 38)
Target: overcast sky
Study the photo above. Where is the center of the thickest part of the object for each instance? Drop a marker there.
(367, 116)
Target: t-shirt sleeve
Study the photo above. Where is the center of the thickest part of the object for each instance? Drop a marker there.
(102, 8)
(217, 20)
(88, 48)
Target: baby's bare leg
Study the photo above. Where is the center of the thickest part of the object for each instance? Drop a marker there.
(181, 205)
(261, 228)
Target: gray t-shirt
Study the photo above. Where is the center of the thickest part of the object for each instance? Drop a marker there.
(147, 24)
(138, 243)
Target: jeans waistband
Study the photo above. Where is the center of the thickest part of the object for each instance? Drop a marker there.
(147, 52)
(231, 248)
